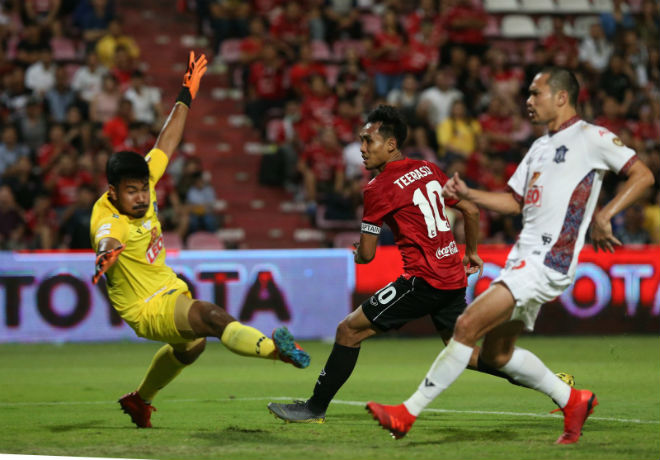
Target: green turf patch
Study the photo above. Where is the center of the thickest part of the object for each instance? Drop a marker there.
(61, 400)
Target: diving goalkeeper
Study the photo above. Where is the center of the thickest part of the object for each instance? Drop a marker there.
(147, 294)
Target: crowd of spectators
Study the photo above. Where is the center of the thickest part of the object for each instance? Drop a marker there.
(312, 69)
(71, 93)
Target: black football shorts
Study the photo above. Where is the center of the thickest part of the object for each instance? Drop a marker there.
(407, 299)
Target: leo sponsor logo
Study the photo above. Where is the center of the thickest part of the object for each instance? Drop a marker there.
(448, 250)
(533, 196)
(155, 246)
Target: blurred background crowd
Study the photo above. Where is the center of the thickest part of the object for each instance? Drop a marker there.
(73, 90)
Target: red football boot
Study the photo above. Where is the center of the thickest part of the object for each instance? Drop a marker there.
(139, 410)
(396, 419)
(580, 405)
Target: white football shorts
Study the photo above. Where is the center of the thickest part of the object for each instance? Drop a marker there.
(532, 284)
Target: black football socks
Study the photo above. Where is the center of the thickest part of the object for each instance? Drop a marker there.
(337, 370)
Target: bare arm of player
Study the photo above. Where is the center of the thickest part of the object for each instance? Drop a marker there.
(170, 136)
(639, 179)
(501, 202)
(106, 255)
(471, 261)
(365, 250)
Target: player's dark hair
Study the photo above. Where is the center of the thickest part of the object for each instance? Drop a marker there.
(560, 79)
(391, 123)
(126, 165)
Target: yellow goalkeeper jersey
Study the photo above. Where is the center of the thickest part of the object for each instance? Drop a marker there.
(140, 272)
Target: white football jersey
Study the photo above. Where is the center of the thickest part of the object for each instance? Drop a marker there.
(559, 181)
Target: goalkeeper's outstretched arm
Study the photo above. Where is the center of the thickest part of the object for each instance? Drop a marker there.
(170, 136)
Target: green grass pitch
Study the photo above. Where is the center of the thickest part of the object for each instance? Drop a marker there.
(61, 400)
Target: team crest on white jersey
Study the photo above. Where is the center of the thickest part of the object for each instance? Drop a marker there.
(560, 154)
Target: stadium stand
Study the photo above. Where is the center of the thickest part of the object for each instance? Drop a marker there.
(60, 103)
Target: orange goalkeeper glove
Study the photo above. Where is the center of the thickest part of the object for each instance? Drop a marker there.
(196, 69)
(104, 260)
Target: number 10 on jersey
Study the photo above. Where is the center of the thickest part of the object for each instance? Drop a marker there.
(433, 208)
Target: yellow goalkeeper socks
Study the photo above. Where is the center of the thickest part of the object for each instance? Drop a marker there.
(164, 367)
(247, 341)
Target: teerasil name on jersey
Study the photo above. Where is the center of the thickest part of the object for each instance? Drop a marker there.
(412, 176)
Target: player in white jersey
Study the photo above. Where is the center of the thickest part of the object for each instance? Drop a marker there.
(555, 187)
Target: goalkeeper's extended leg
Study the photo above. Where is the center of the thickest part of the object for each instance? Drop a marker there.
(207, 319)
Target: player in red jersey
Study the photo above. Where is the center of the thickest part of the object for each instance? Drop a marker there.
(407, 195)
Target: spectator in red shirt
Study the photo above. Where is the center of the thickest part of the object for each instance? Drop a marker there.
(565, 49)
(319, 103)
(498, 125)
(322, 167)
(421, 56)
(387, 54)
(267, 88)
(251, 46)
(116, 128)
(610, 117)
(506, 79)
(647, 129)
(425, 13)
(300, 72)
(124, 66)
(291, 26)
(57, 145)
(41, 224)
(465, 24)
(345, 121)
(64, 180)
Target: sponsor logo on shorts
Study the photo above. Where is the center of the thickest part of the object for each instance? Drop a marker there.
(520, 265)
(447, 251)
(370, 228)
(546, 238)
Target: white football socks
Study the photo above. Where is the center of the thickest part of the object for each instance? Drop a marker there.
(449, 364)
(529, 370)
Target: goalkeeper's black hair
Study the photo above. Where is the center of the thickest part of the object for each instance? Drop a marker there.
(560, 79)
(391, 123)
(126, 165)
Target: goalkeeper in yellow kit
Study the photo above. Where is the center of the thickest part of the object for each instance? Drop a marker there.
(148, 295)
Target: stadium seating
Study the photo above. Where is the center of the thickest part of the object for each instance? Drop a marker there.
(204, 240)
(518, 26)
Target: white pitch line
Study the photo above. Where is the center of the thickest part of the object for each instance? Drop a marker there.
(336, 401)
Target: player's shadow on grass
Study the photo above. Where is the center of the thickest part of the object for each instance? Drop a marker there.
(75, 426)
(235, 434)
(448, 435)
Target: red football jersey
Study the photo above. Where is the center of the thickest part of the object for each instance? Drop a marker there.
(407, 196)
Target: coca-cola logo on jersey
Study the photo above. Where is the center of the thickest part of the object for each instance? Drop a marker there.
(448, 250)
(534, 195)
